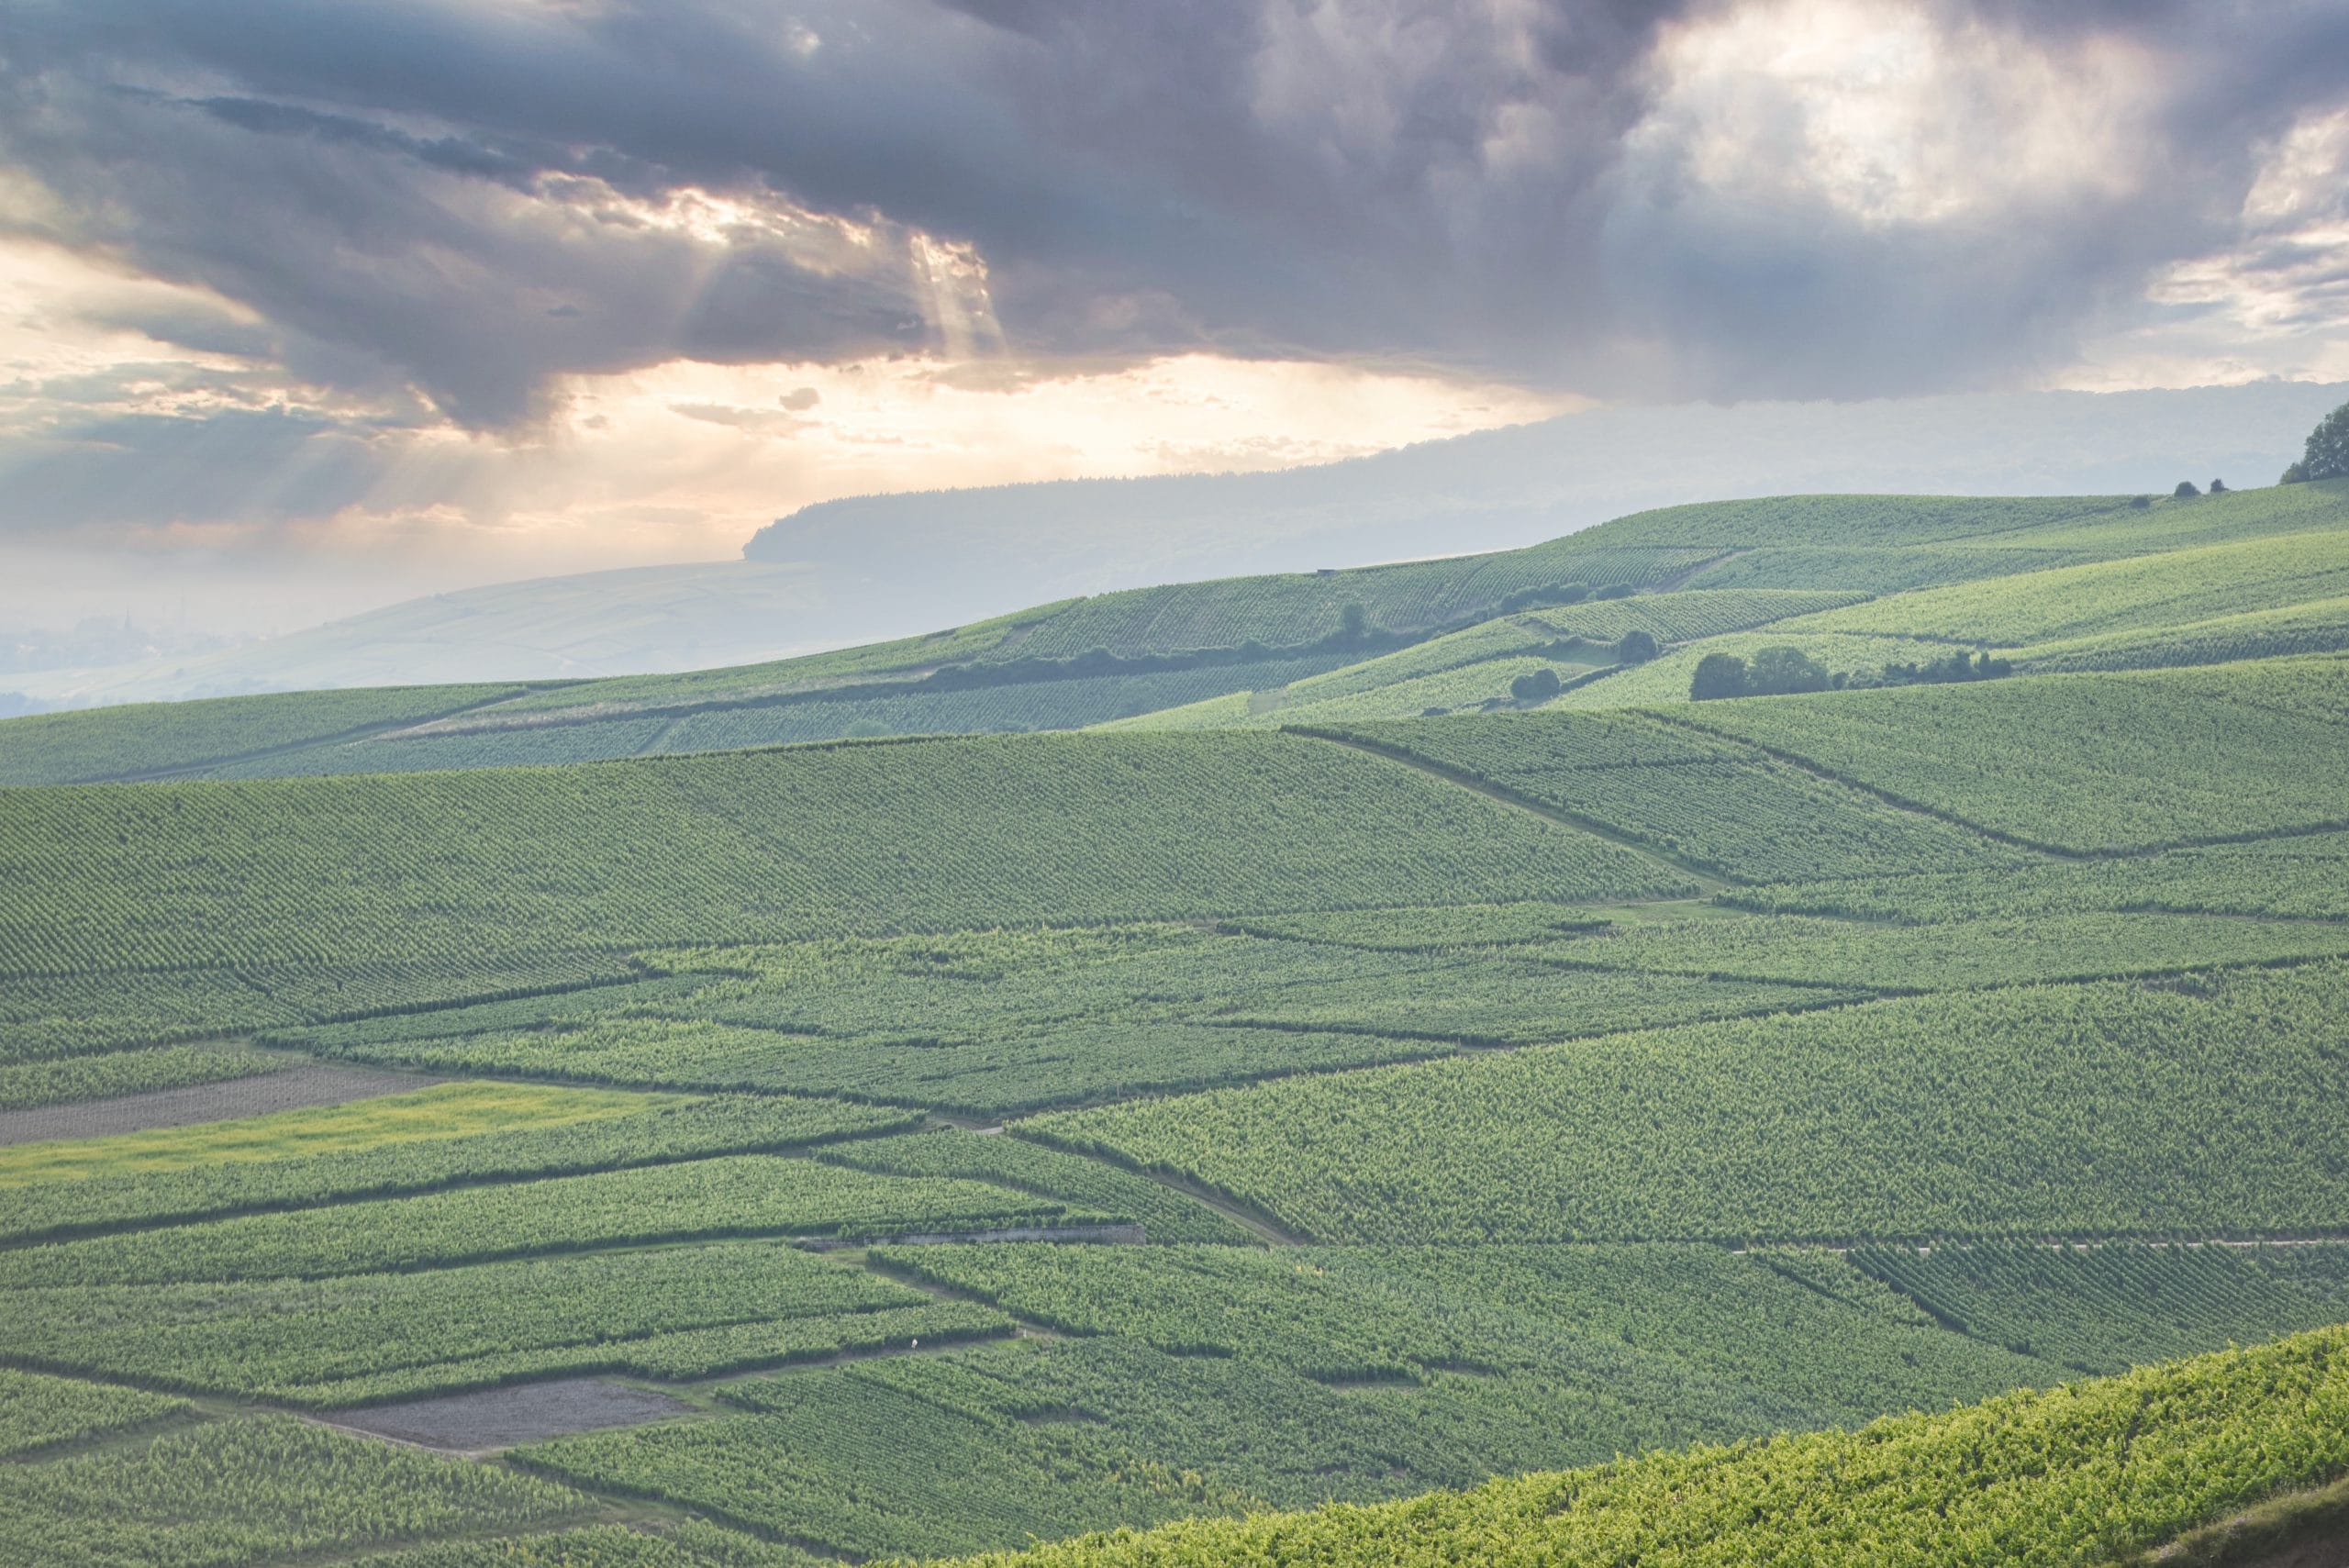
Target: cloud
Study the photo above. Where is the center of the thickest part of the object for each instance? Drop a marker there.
(467, 200)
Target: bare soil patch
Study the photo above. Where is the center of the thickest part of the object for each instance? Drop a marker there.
(296, 1088)
(501, 1417)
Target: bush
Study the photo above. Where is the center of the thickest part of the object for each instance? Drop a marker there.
(2217, 487)
(1536, 686)
(1777, 671)
(1718, 676)
(1620, 591)
(1636, 647)
(2327, 456)
(2139, 503)
(2184, 488)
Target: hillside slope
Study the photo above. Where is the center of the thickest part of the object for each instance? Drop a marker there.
(1858, 581)
(1254, 1139)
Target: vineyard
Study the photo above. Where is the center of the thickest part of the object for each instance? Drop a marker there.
(489, 1135)
(2087, 1109)
(2105, 1309)
(1713, 806)
(939, 834)
(2087, 763)
(2085, 1474)
(154, 738)
(2133, 593)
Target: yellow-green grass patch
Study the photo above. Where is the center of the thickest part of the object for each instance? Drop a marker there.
(444, 1111)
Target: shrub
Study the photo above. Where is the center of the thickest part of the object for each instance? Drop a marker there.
(1777, 671)
(1635, 648)
(1536, 686)
(2184, 488)
(1718, 676)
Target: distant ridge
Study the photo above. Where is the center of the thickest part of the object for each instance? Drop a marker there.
(873, 568)
(1498, 489)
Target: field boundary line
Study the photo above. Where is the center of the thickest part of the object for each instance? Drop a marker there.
(1709, 883)
(1861, 786)
(340, 736)
(2054, 852)
(1231, 1206)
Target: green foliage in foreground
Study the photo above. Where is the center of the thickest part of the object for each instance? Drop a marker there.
(2106, 1308)
(248, 1491)
(682, 1312)
(2103, 1109)
(37, 1410)
(657, 1130)
(688, 1543)
(2082, 1474)
(733, 1196)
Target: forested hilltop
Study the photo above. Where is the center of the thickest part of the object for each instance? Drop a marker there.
(1412, 1070)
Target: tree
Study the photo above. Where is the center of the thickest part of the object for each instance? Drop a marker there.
(2327, 456)
(2184, 488)
(1353, 623)
(2217, 487)
(1777, 671)
(1636, 646)
(1536, 686)
(1718, 676)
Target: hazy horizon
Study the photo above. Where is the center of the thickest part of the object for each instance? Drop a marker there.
(320, 309)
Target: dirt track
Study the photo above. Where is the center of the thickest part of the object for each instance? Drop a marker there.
(501, 1417)
(296, 1088)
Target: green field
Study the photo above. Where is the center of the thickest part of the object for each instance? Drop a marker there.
(1266, 1119)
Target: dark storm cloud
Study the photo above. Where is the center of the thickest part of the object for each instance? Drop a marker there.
(454, 197)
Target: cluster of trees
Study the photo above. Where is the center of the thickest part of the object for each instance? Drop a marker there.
(2327, 454)
(1957, 666)
(1775, 671)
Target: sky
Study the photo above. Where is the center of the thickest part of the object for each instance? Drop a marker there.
(307, 304)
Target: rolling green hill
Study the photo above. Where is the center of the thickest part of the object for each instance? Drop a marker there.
(1247, 1127)
(1859, 582)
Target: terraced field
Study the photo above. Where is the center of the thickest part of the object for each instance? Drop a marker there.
(1256, 1125)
